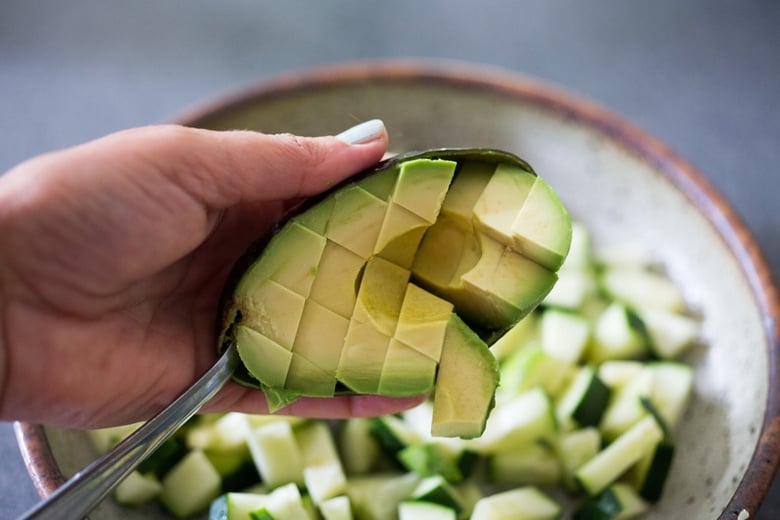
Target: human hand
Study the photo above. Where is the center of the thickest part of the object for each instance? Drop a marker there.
(113, 255)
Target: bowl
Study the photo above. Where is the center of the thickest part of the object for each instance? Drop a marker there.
(622, 183)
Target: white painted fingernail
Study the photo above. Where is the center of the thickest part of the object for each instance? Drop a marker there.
(363, 133)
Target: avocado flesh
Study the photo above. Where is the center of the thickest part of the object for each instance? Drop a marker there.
(370, 284)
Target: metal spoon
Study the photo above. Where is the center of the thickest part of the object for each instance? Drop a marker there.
(87, 488)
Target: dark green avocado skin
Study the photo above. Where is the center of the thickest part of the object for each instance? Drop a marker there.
(242, 376)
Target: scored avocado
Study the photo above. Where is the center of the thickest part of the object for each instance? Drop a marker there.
(393, 282)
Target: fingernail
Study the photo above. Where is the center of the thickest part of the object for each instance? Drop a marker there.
(363, 133)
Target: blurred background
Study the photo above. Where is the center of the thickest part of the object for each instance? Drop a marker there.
(702, 76)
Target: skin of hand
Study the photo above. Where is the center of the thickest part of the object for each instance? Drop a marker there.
(113, 255)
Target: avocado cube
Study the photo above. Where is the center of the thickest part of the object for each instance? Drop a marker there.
(422, 322)
(470, 181)
(265, 359)
(406, 371)
(542, 229)
(496, 209)
(356, 220)
(337, 279)
(400, 235)
(465, 384)
(422, 185)
(306, 378)
(362, 357)
(275, 311)
(283, 263)
(320, 336)
(380, 295)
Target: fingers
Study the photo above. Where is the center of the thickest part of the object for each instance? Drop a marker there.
(222, 169)
(241, 399)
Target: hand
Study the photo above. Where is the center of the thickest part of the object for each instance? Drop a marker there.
(113, 255)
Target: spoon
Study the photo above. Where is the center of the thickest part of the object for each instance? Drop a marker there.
(87, 488)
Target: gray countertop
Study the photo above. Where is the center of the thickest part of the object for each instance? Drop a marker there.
(703, 76)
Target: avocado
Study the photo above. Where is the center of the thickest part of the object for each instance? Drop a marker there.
(465, 384)
(391, 282)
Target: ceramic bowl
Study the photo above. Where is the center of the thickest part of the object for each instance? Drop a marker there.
(619, 181)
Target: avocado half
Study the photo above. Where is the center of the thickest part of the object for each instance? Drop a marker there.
(395, 281)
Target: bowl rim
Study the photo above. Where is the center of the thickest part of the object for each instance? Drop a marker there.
(693, 184)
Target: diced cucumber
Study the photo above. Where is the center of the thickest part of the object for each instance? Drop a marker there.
(376, 496)
(276, 454)
(324, 481)
(565, 335)
(437, 490)
(580, 256)
(234, 506)
(584, 401)
(618, 373)
(671, 333)
(410, 510)
(574, 449)
(191, 485)
(286, 503)
(103, 439)
(429, 458)
(617, 502)
(359, 448)
(137, 489)
(228, 433)
(316, 444)
(261, 514)
(625, 408)
(649, 475)
(532, 464)
(336, 508)
(524, 332)
(393, 434)
(618, 334)
(526, 503)
(671, 390)
(571, 291)
(532, 367)
(237, 469)
(642, 288)
(610, 463)
(524, 419)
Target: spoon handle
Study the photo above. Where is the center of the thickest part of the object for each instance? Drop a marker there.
(87, 488)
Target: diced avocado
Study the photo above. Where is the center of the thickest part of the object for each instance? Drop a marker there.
(265, 359)
(422, 322)
(356, 220)
(542, 229)
(335, 286)
(380, 295)
(392, 282)
(306, 378)
(496, 209)
(400, 235)
(422, 185)
(283, 264)
(320, 336)
(274, 311)
(362, 357)
(465, 385)
(466, 189)
(406, 371)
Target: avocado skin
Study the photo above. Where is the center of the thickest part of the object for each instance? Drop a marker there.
(228, 315)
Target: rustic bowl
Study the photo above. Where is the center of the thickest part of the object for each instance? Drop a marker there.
(622, 183)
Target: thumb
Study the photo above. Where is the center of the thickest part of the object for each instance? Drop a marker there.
(222, 169)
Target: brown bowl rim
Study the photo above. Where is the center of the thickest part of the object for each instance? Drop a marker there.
(729, 225)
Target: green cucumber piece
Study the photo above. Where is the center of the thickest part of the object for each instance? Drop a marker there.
(650, 474)
(610, 463)
(618, 333)
(190, 486)
(410, 510)
(436, 489)
(584, 402)
(617, 502)
(525, 503)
